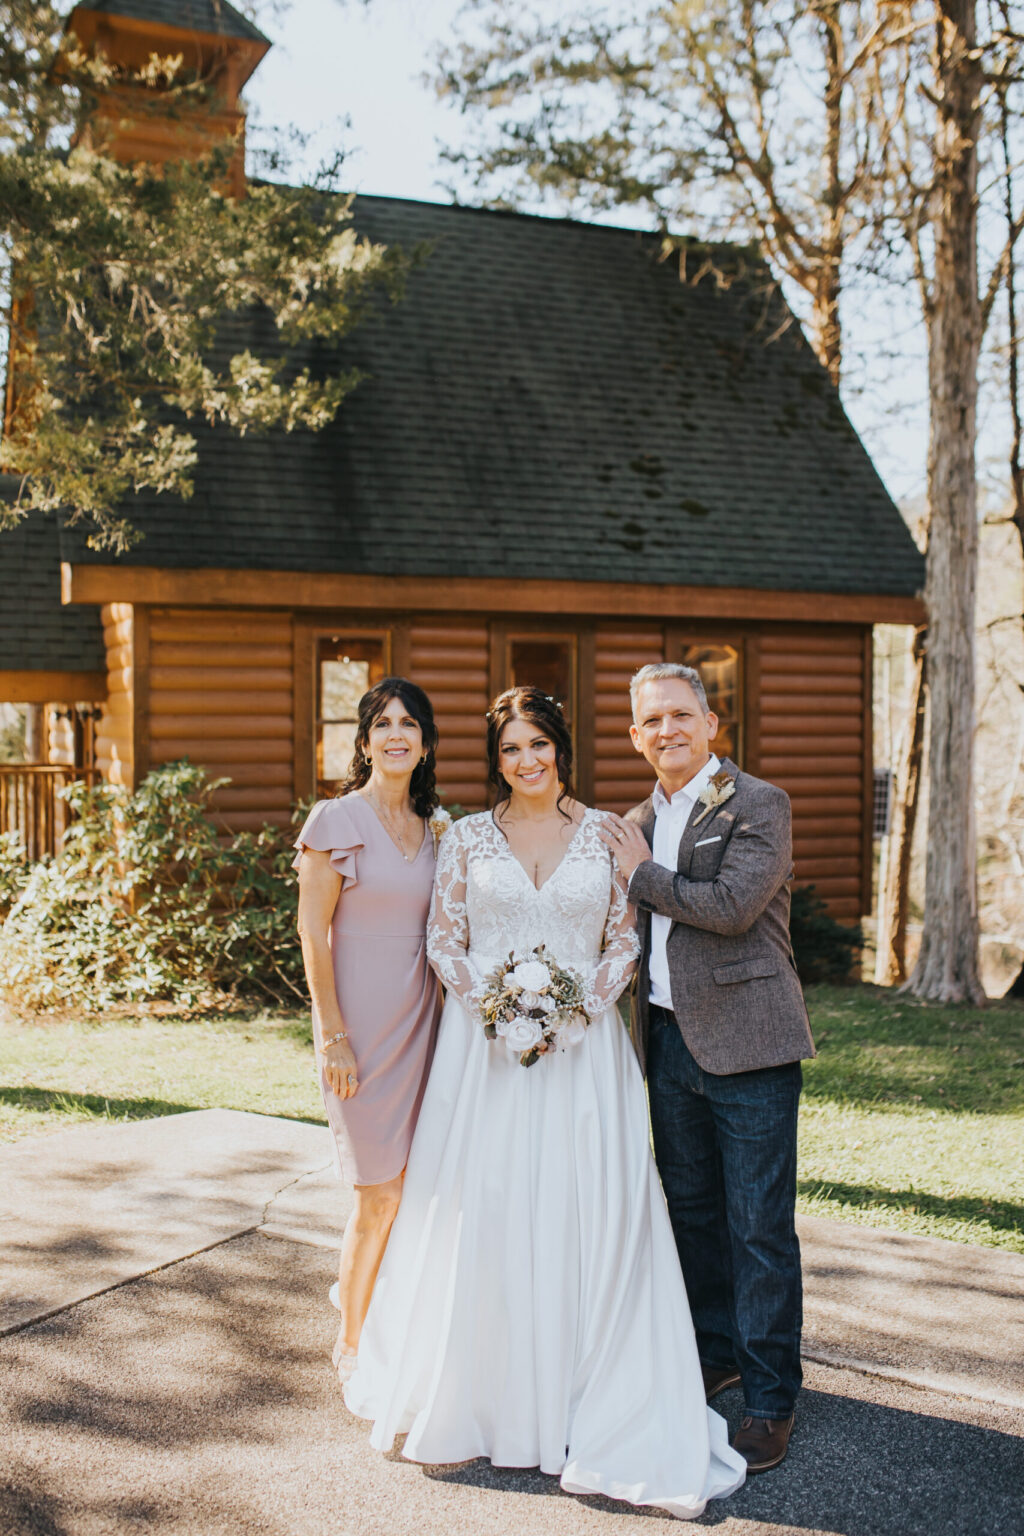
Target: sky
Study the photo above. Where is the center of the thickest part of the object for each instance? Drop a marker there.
(352, 74)
(338, 59)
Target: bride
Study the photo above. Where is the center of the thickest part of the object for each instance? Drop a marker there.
(530, 1307)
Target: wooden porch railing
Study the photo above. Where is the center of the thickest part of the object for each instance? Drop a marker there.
(29, 803)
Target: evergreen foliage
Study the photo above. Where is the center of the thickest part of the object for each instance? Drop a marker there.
(824, 949)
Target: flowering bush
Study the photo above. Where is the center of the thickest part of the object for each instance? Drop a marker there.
(149, 900)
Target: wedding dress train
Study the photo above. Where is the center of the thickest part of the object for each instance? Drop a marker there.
(530, 1308)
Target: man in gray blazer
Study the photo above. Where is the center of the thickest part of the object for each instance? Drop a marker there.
(720, 1028)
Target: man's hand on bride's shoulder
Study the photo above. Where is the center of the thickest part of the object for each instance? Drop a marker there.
(626, 842)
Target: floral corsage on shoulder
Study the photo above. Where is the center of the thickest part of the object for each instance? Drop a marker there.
(439, 823)
(534, 1005)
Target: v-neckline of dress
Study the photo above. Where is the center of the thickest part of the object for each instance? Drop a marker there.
(568, 849)
(426, 833)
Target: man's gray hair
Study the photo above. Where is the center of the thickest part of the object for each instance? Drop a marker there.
(656, 670)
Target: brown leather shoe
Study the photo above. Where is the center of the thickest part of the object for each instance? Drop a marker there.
(716, 1380)
(763, 1443)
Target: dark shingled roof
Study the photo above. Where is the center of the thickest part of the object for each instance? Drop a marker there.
(211, 16)
(36, 633)
(550, 398)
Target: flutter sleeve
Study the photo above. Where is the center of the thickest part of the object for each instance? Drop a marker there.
(620, 950)
(331, 828)
(448, 923)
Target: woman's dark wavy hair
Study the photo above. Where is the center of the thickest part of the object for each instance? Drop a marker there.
(542, 711)
(423, 789)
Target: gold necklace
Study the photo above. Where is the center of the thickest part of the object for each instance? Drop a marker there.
(390, 824)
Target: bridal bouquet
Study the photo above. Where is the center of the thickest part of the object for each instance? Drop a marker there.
(534, 1005)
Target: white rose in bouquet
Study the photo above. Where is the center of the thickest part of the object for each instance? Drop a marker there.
(546, 1004)
(529, 1000)
(501, 1028)
(531, 975)
(523, 1035)
(572, 1032)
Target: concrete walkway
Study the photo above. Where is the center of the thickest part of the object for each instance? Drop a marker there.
(167, 1333)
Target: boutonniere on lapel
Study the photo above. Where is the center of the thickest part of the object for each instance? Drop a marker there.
(719, 788)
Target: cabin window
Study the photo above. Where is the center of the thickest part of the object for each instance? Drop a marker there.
(346, 666)
(547, 662)
(720, 669)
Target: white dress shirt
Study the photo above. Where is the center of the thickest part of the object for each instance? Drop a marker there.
(670, 818)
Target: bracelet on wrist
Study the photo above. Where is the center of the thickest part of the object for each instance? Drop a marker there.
(325, 1045)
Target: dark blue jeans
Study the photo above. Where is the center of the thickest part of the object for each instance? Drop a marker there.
(726, 1152)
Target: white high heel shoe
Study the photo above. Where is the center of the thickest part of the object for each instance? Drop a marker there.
(344, 1360)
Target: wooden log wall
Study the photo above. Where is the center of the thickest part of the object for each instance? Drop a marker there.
(220, 694)
(621, 776)
(60, 736)
(815, 691)
(220, 691)
(114, 734)
(450, 660)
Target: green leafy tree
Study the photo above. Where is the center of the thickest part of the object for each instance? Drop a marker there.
(116, 280)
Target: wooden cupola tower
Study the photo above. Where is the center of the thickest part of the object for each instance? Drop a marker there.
(211, 43)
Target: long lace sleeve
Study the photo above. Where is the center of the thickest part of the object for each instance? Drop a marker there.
(619, 952)
(448, 923)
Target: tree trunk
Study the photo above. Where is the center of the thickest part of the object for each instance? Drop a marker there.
(827, 333)
(947, 969)
(1016, 987)
(891, 950)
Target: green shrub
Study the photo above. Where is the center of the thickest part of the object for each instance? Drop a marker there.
(149, 900)
(824, 949)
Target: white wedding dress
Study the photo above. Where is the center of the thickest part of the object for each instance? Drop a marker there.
(530, 1307)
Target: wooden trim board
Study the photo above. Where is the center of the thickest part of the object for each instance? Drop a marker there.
(465, 594)
(53, 687)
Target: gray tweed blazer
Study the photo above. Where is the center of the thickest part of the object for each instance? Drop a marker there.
(735, 991)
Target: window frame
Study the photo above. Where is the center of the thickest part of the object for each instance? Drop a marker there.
(680, 638)
(308, 633)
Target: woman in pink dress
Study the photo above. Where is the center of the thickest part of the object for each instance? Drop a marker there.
(366, 870)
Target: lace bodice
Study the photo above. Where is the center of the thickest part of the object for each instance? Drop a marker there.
(485, 904)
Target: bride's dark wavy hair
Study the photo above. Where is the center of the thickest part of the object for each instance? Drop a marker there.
(542, 711)
(423, 788)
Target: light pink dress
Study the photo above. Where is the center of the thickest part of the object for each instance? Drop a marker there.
(389, 997)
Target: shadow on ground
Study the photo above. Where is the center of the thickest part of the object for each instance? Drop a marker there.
(101, 1105)
(1007, 1215)
(855, 1468)
(199, 1400)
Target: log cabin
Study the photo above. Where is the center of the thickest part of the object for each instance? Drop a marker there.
(574, 451)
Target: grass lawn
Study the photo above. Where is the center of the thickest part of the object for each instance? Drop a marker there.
(57, 1074)
(913, 1116)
